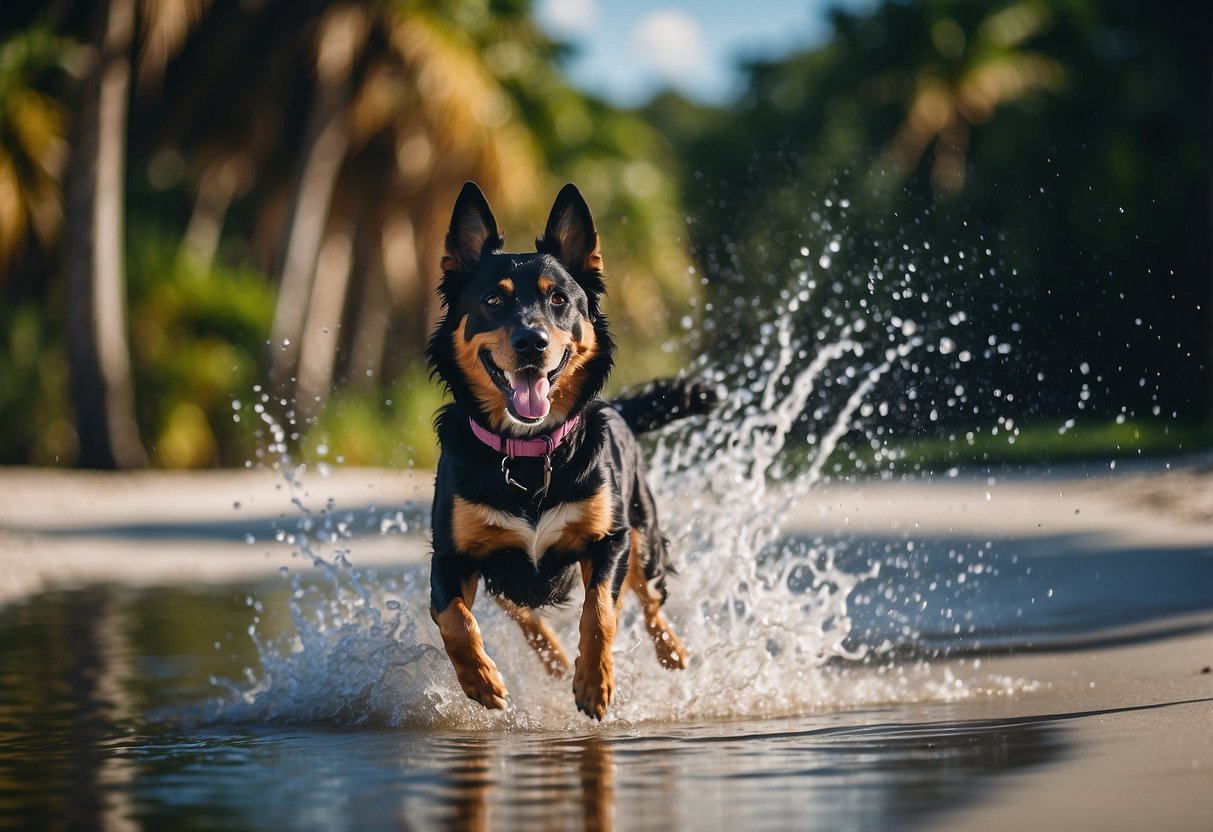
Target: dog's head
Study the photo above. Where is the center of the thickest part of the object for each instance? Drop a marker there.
(523, 344)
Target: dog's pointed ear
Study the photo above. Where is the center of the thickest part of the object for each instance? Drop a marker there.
(473, 231)
(571, 238)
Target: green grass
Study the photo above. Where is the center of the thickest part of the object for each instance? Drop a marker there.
(383, 428)
(1051, 443)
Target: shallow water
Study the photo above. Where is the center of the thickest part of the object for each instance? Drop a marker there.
(116, 710)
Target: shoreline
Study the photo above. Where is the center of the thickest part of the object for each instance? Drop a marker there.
(67, 528)
(1130, 712)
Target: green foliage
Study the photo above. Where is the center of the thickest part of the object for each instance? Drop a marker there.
(1042, 443)
(392, 427)
(1060, 148)
(198, 340)
(33, 146)
(33, 380)
(1041, 166)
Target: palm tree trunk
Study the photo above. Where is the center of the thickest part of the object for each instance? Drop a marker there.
(98, 350)
(220, 181)
(318, 341)
(374, 316)
(328, 140)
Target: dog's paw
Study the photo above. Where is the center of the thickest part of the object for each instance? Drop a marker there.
(670, 653)
(482, 683)
(554, 661)
(593, 687)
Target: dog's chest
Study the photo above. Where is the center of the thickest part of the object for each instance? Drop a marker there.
(481, 530)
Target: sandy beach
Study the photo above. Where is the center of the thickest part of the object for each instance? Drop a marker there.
(61, 528)
(1137, 711)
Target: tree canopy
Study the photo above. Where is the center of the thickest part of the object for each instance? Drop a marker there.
(1029, 177)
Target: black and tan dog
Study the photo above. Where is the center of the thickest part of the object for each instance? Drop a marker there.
(541, 481)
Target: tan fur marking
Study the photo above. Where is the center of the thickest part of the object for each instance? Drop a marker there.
(670, 652)
(573, 378)
(593, 677)
(593, 523)
(476, 533)
(558, 341)
(480, 530)
(506, 286)
(545, 284)
(467, 354)
(476, 672)
(540, 636)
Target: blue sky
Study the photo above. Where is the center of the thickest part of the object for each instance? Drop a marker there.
(629, 49)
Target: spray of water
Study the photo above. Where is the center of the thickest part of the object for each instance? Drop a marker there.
(767, 617)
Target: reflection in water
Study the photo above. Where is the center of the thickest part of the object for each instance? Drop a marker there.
(96, 732)
(800, 776)
(83, 673)
(543, 784)
(63, 698)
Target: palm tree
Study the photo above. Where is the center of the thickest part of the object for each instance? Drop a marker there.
(965, 79)
(33, 144)
(98, 348)
(98, 352)
(403, 123)
(340, 38)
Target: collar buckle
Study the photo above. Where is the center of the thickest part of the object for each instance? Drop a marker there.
(547, 477)
(509, 480)
(539, 447)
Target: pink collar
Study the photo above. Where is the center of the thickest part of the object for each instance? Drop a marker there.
(540, 446)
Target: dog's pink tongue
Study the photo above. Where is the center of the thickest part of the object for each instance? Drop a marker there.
(530, 395)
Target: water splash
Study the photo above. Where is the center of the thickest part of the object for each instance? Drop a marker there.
(767, 617)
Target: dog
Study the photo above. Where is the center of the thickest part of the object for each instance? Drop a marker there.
(540, 481)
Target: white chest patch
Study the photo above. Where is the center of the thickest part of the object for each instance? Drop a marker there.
(538, 538)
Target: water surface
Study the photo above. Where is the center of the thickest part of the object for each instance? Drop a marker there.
(120, 706)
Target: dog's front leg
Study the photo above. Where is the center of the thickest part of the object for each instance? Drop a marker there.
(452, 592)
(593, 674)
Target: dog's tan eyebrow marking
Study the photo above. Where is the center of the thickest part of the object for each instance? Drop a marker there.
(545, 284)
(506, 285)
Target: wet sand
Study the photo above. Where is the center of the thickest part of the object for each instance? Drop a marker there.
(65, 528)
(1136, 712)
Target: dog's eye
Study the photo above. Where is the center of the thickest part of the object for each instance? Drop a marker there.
(558, 299)
(492, 299)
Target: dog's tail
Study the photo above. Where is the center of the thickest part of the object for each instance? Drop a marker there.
(666, 400)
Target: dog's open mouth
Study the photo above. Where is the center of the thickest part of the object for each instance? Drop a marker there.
(527, 389)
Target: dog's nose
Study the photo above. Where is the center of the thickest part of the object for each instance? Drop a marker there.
(530, 342)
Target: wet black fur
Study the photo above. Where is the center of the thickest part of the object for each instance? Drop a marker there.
(601, 449)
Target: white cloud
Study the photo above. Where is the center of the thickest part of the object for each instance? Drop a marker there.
(670, 43)
(568, 18)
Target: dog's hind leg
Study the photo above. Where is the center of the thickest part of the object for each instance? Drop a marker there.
(540, 636)
(670, 652)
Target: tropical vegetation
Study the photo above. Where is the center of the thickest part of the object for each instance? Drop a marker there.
(220, 222)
